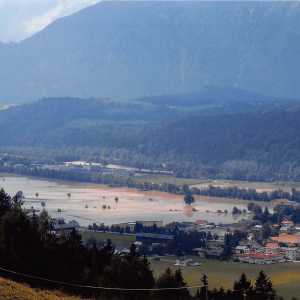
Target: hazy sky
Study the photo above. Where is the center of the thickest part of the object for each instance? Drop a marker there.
(20, 19)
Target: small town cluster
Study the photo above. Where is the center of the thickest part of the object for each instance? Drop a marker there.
(242, 242)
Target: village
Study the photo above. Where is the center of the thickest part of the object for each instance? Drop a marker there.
(243, 242)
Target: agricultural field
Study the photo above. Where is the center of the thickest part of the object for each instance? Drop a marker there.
(202, 183)
(285, 276)
(259, 186)
(115, 238)
(159, 179)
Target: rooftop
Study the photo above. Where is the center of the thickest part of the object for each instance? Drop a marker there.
(156, 236)
(272, 245)
(199, 222)
(259, 255)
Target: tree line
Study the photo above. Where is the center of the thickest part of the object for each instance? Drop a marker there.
(246, 194)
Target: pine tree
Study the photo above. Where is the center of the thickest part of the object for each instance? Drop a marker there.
(266, 212)
(184, 293)
(203, 292)
(5, 203)
(243, 284)
(132, 254)
(264, 287)
(168, 279)
(106, 253)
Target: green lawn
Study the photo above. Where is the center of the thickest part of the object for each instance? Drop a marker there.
(115, 238)
(285, 276)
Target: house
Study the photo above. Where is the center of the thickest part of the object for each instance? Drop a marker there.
(121, 172)
(215, 251)
(252, 246)
(259, 258)
(291, 253)
(59, 224)
(241, 249)
(285, 229)
(198, 252)
(201, 222)
(280, 201)
(289, 238)
(287, 223)
(30, 211)
(256, 228)
(218, 231)
(154, 238)
(272, 248)
(185, 262)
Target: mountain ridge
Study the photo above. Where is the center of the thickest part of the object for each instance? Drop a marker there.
(125, 50)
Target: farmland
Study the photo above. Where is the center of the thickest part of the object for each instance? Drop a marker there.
(159, 179)
(286, 276)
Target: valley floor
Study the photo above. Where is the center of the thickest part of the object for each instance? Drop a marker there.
(285, 276)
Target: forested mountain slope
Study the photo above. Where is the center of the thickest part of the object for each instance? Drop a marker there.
(246, 143)
(124, 50)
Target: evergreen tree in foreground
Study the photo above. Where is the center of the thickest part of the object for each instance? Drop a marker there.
(264, 288)
(243, 285)
(168, 279)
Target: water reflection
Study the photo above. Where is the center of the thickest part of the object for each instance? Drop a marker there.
(189, 211)
(86, 203)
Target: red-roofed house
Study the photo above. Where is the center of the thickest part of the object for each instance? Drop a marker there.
(272, 248)
(287, 223)
(260, 258)
(201, 222)
(280, 201)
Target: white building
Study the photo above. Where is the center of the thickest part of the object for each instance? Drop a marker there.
(260, 258)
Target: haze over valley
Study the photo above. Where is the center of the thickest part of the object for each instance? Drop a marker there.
(150, 150)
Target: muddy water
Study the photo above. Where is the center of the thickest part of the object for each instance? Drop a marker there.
(132, 205)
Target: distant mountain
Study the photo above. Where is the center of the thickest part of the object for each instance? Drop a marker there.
(125, 50)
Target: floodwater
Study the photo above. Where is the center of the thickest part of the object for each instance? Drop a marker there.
(132, 205)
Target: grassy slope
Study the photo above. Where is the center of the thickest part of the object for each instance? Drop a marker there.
(12, 290)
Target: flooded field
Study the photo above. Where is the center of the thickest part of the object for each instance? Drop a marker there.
(86, 202)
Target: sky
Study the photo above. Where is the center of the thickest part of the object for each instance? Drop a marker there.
(20, 19)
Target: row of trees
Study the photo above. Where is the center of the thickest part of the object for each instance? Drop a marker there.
(246, 194)
(139, 227)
